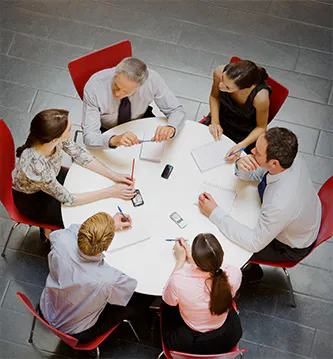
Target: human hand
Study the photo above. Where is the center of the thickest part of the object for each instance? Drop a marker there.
(123, 178)
(120, 222)
(179, 251)
(126, 139)
(188, 250)
(216, 130)
(163, 133)
(247, 163)
(231, 156)
(206, 204)
(121, 190)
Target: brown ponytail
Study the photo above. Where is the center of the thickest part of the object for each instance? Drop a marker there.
(245, 73)
(208, 255)
(45, 127)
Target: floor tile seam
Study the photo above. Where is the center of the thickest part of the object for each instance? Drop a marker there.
(33, 101)
(314, 340)
(25, 253)
(313, 266)
(27, 283)
(272, 316)
(275, 348)
(321, 156)
(32, 347)
(313, 296)
(11, 43)
(5, 292)
(302, 125)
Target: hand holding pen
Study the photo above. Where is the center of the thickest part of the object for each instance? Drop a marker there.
(234, 153)
(125, 220)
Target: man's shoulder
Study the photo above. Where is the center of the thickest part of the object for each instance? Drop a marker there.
(66, 236)
(100, 77)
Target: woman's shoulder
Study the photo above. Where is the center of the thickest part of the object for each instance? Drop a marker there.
(32, 164)
(232, 271)
(218, 70)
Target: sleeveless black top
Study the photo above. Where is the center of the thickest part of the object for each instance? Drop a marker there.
(238, 121)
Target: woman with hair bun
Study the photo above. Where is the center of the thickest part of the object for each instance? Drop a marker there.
(38, 177)
(239, 104)
(197, 315)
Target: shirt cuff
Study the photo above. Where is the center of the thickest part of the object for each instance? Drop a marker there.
(217, 215)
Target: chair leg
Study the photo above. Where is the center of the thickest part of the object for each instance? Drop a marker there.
(98, 353)
(133, 330)
(8, 238)
(293, 303)
(32, 331)
(160, 355)
(76, 134)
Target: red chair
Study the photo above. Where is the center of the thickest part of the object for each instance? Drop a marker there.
(68, 339)
(84, 67)
(325, 232)
(7, 165)
(171, 354)
(277, 98)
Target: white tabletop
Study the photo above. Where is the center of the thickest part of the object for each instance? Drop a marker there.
(150, 262)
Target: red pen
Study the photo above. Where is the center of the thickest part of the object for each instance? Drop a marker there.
(133, 163)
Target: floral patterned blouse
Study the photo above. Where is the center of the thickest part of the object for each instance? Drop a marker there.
(35, 172)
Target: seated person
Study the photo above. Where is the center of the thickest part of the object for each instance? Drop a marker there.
(290, 213)
(123, 93)
(38, 177)
(84, 296)
(239, 104)
(197, 315)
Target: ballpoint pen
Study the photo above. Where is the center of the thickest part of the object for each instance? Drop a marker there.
(233, 153)
(140, 141)
(122, 213)
(174, 240)
(133, 163)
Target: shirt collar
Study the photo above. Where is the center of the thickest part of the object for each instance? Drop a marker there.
(278, 176)
(99, 258)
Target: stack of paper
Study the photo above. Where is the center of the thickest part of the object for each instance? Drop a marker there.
(152, 151)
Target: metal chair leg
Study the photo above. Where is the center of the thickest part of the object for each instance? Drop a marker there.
(160, 355)
(293, 303)
(32, 331)
(97, 353)
(76, 134)
(8, 238)
(133, 330)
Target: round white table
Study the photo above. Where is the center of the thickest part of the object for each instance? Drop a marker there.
(151, 261)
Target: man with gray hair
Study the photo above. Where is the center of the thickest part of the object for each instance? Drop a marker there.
(121, 94)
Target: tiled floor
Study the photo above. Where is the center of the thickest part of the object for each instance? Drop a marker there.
(183, 40)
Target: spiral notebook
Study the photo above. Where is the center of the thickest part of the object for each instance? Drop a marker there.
(210, 155)
(224, 197)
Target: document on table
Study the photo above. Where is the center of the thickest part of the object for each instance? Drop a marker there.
(128, 238)
(151, 151)
(211, 154)
(224, 197)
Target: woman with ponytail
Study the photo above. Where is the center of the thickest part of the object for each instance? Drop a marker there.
(239, 104)
(197, 315)
(38, 177)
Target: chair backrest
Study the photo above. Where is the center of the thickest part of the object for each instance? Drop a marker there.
(71, 341)
(84, 67)
(7, 164)
(326, 198)
(278, 96)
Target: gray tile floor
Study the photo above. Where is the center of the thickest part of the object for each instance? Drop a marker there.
(183, 40)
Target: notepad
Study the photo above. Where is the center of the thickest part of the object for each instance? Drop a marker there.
(224, 197)
(128, 238)
(210, 155)
(151, 151)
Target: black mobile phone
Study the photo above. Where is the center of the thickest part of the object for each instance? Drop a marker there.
(167, 171)
(137, 200)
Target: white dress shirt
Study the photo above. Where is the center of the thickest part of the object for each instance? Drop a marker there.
(78, 286)
(290, 211)
(100, 108)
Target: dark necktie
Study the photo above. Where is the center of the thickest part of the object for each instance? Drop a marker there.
(262, 186)
(124, 112)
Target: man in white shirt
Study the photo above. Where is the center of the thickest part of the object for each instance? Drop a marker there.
(291, 210)
(121, 94)
(84, 296)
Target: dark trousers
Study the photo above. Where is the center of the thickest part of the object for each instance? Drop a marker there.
(280, 252)
(40, 206)
(147, 114)
(178, 336)
(113, 314)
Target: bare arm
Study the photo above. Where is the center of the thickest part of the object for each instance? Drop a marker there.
(214, 104)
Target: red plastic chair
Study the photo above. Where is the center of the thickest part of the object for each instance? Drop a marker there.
(277, 98)
(68, 339)
(83, 68)
(172, 354)
(325, 232)
(7, 165)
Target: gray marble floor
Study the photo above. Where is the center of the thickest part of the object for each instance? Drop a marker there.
(183, 40)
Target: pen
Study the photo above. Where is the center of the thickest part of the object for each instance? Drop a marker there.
(145, 141)
(173, 240)
(133, 163)
(233, 153)
(122, 213)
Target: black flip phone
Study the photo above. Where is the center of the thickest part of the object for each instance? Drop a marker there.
(167, 171)
(137, 200)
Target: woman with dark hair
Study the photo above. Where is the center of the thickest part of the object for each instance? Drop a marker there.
(38, 177)
(197, 314)
(239, 104)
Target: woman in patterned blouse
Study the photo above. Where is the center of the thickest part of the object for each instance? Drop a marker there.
(38, 177)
